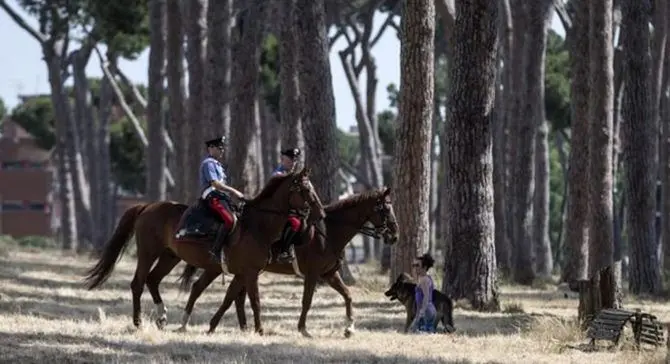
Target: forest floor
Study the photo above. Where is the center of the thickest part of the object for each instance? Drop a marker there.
(47, 316)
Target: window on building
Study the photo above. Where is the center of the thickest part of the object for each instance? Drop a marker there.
(12, 165)
(36, 206)
(9, 205)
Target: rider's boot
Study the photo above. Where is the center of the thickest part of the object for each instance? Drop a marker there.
(215, 250)
(286, 254)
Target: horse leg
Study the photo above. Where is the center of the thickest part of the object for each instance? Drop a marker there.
(307, 295)
(144, 262)
(166, 262)
(234, 289)
(251, 285)
(335, 281)
(239, 309)
(197, 288)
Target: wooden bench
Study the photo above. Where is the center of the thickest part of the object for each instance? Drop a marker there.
(609, 324)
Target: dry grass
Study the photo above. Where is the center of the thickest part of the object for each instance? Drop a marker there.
(47, 317)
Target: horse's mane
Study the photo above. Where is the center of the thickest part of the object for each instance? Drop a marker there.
(270, 188)
(353, 200)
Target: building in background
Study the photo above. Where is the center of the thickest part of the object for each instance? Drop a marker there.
(27, 204)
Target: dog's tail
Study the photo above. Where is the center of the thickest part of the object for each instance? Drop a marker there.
(448, 317)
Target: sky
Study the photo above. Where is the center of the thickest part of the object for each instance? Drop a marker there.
(22, 70)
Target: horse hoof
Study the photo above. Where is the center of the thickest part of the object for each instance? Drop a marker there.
(210, 331)
(305, 334)
(161, 323)
(348, 332)
(450, 329)
(259, 332)
(181, 329)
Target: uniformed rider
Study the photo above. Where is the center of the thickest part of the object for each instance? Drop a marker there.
(216, 192)
(288, 159)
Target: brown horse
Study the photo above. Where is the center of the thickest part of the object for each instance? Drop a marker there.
(316, 259)
(246, 251)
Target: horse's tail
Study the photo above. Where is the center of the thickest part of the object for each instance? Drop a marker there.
(114, 248)
(186, 277)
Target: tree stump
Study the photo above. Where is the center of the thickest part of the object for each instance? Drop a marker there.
(589, 300)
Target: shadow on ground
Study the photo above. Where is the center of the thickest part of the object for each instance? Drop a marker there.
(62, 348)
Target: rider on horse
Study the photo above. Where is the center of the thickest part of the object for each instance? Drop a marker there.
(292, 228)
(216, 192)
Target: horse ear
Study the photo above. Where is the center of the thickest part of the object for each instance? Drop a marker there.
(387, 191)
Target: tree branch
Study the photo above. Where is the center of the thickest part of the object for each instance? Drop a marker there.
(382, 29)
(335, 37)
(137, 96)
(104, 65)
(18, 19)
(563, 15)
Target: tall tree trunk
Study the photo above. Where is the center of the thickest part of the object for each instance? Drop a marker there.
(500, 165)
(156, 151)
(413, 134)
(246, 78)
(64, 167)
(177, 101)
(577, 224)
(83, 117)
(539, 18)
(318, 103)
(219, 18)
(664, 164)
(196, 33)
(106, 198)
(601, 105)
(471, 265)
(317, 99)
(640, 148)
(522, 166)
(291, 126)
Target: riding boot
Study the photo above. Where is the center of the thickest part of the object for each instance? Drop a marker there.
(218, 243)
(287, 255)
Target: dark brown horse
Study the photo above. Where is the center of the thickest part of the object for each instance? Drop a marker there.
(246, 252)
(315, 258)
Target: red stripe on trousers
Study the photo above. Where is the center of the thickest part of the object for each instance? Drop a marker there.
(224, 214)
(295, 223)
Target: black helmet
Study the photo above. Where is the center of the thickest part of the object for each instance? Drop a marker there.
(293, 153)
(218, 142)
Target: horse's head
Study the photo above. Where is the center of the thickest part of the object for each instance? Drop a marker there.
(303, 195)
(383, 218)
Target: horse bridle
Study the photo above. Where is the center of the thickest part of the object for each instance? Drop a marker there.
(295, 187)
(378, 232)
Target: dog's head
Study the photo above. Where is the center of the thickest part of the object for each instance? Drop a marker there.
(398, 290)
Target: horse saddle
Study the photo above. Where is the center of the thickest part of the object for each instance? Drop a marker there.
(198, 221)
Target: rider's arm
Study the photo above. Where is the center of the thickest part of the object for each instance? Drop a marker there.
(219, 185)
(211, 176)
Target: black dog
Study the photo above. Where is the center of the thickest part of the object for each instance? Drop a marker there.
(403, 291)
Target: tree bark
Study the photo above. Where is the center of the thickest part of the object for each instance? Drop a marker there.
(522, 144)
(640, 148)
(219, 17)
(576, 223)
(539, 18)
(471, 266)
(317, 99)
(196, 33)
(291, 126)
(318, 103)
(601, 105)
(500, 165)
(156, 151)
(245, 131)
(413, 134)
(177, 101)
(106, 198)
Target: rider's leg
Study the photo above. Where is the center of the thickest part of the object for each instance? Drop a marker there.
(228, 218)
(291, 231)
